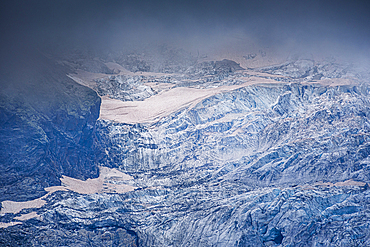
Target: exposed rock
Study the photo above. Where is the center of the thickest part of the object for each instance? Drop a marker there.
(46, 127)
(310, 70)
(224, 67)
(250, 56)
(124, 88)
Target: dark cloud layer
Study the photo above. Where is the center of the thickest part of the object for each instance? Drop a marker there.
(111, 24)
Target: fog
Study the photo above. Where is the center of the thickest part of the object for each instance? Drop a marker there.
(322, 27)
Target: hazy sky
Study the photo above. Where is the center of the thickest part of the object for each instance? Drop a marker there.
(110, 24)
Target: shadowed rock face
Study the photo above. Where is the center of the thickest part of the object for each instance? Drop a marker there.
(281, 164)
(46, 127)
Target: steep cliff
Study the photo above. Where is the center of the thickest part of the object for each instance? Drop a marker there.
(46, 127)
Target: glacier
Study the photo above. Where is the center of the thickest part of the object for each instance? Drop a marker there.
(283, 161)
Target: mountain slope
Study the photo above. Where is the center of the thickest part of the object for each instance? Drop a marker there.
(279, 161)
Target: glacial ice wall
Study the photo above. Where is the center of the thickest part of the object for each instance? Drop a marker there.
(258, 166)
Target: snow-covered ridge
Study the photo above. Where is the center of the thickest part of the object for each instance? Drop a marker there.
(146, 97)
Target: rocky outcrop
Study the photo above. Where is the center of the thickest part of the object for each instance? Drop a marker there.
(124, 88)
(224, 67)
(310, 70)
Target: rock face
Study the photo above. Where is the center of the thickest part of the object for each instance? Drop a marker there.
(283, 164)
(46, 127)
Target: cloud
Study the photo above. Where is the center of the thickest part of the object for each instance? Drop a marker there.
(312, 26)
